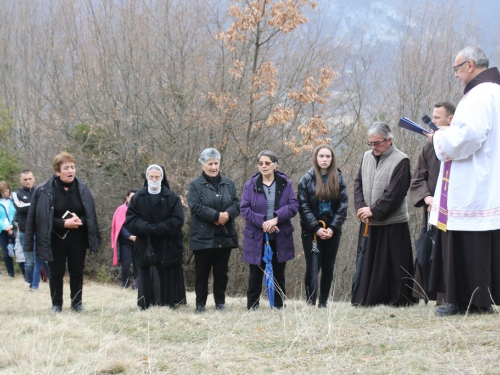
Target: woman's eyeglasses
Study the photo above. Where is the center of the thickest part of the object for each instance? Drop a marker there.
(266, 163)
(154, 178)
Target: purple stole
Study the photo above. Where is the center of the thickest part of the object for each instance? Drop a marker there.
(443, 202)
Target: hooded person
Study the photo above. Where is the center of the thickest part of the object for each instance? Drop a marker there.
(155, 215)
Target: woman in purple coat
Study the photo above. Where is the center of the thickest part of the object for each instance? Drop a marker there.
(268, 204)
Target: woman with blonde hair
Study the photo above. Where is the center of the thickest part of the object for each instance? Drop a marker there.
(62, 223)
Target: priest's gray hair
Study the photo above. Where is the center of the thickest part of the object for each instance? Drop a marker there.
(207, 154)
(380, 128)
(271, 155)
(475, 54)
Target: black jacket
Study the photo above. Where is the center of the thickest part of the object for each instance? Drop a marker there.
(22, 200)
(40, 219)
(205, 202)
(162, 223)
(309, 205)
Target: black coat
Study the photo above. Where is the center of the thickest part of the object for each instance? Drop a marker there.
(40, 219)
(162, 223)
(22, 209)
(309, 204)
(205, 202)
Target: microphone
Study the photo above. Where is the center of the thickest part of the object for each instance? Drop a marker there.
(429, 123)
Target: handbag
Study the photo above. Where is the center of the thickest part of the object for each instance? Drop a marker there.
(15, 224)
(150, 255)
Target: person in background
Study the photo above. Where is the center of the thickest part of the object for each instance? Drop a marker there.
(61, 225)
(7, 212)
(423, 184)
(156, 216)
(322, 195)
(380, 190)
(18, 250)
(214, 206)
(22, 201)
(268, 204)
(122, 242)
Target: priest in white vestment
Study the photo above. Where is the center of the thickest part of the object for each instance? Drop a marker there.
(466, 204)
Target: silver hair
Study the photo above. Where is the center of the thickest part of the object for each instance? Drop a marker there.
(475, 54)
(271, 155)
(380, 128)
(207, 154)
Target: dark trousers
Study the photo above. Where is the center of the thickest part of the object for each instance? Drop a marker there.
(74, 255)
(466, 266)
(218, 261)
(154, 287)
(255, 280)
(326, 263)
(4, 241)
(126, 255)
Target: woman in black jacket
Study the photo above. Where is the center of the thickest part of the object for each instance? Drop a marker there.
(155, 215)
(322, 196)
(214, 206)
(62, 216)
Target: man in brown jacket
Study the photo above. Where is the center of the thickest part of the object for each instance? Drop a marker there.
(423, 184)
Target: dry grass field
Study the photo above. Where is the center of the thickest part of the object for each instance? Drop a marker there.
(113, 337)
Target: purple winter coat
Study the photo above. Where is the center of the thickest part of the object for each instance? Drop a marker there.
(254, 209)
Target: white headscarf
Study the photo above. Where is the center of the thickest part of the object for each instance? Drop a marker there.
(154, 184)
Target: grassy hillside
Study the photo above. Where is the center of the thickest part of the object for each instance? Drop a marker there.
(113, 337)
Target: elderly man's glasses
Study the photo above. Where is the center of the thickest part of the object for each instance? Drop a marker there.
(376, 144)
(266, 163)
(455, 68)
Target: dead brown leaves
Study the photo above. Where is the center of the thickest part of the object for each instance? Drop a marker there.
(283, 15)
(311, 133)
(265, 77)
(251, 19)
(315, 92)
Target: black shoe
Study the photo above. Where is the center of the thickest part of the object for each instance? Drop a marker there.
(253, 308)
(78, 308)
(220, 307)
(200, 309)
(464, 308)
(56, 309)
(322, 305)
(447, 310)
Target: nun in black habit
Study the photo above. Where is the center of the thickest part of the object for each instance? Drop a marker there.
(155, 214)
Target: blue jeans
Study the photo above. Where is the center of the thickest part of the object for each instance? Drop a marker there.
(28, 259)
(39, 264)
(4, 241)
(33, 265)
